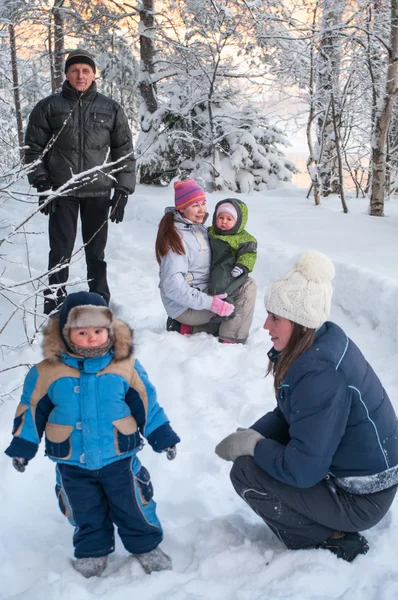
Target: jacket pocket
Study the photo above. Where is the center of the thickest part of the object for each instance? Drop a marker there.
(19, 419)
(101, 119)
(58, 442)
(127, 437)
(144, 485)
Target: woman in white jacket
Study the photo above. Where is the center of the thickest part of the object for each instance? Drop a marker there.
(183, 253)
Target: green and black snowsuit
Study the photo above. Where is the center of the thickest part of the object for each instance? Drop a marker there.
(228, 249)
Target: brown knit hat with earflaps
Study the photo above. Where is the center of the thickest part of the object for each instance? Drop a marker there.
(86, 309)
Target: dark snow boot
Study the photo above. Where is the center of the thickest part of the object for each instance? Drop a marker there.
(346, 545)
(156, 560)
(173, 325)
(91, 566)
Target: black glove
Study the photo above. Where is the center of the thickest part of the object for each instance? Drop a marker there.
(19, 464)
(44, 185)
(171, 452)
(118, 205)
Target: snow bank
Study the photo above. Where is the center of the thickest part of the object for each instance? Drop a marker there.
(220, 549)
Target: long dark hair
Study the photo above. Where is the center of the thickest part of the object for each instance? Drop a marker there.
(300, 341)
(168, 238)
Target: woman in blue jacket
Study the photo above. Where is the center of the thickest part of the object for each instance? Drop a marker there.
(95, 403)
(323, 465)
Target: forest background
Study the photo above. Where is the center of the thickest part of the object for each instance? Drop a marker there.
(216, 89)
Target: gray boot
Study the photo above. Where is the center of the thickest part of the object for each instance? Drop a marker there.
(156, 560)
(91, 566)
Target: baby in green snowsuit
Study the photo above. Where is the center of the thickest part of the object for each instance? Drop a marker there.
(233, 249)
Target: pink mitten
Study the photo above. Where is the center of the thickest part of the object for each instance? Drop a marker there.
(218, 306)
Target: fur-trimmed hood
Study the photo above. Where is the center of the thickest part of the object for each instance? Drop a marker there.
(53, 345)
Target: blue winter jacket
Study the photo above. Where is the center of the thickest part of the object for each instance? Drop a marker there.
(93, 411)
(333, 417)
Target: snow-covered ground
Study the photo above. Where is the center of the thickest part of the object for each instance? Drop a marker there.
(220, 549)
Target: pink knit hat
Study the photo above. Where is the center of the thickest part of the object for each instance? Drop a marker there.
(187, 192)
(229, 208)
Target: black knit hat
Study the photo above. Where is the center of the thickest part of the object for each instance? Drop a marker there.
(79, 56)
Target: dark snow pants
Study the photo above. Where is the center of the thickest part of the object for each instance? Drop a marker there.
(62, 230)
(302, 518)
(95, 500)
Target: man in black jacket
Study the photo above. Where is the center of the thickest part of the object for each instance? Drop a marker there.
(78, 131)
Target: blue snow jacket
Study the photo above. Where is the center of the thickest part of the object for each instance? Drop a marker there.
(93, 411)
(333, 417)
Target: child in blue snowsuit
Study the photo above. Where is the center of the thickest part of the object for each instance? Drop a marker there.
(94, 401)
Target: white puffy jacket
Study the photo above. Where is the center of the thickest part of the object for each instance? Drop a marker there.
(176, 294)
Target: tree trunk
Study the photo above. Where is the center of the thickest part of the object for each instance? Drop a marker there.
(328, 75)
(339, 158)
(147, 55)
(15, 81)
(382, 122)
(149, 103)
(51, 54)
(374, 23)
(59, 44)
(312, 164)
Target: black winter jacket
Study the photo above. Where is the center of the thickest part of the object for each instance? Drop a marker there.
(89, 125)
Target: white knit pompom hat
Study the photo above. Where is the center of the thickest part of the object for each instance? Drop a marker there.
(304, 294)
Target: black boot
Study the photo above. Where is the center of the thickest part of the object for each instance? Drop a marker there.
(347, 546)
(173, 325)
(52, 306)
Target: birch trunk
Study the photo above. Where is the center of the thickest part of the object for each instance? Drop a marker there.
(147, 55)
(312, 164)
(328, 76)
(382, 122)
(59, 45)
(149, 103)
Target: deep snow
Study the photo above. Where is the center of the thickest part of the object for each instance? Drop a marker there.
(220, 549)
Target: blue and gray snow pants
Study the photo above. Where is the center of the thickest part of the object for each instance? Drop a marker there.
(304, 517)
(93, 501)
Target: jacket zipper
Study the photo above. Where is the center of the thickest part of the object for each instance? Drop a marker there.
(81, 133)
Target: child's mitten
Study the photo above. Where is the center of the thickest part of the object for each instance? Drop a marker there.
(221, 308)
(237, 271)
(19, 464)
(171, 452)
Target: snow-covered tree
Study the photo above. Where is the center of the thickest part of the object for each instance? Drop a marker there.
(119, 74)
(204, 123)
(241, 151)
